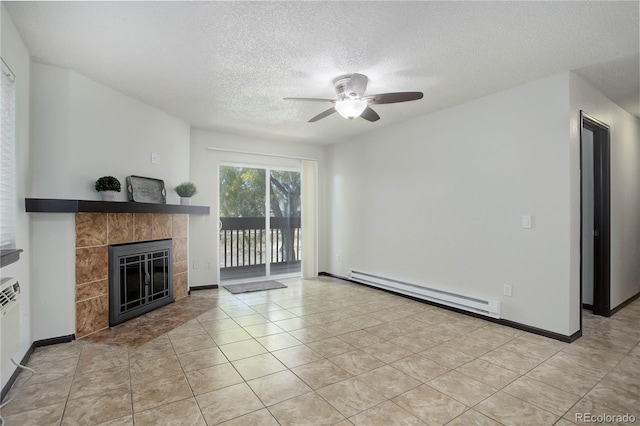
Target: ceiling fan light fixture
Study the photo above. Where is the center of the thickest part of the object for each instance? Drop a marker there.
(351, 108)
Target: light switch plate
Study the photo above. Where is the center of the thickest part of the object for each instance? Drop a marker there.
(526, 221)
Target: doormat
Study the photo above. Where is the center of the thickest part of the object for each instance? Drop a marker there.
(256, 286)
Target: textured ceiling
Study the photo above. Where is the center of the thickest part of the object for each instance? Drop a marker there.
(227, 65)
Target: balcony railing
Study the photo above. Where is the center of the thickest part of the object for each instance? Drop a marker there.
(243, 246)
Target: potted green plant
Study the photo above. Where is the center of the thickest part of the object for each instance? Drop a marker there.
(186, 190)
(107, 186)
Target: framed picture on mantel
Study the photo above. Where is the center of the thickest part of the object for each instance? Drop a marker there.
(146, 190)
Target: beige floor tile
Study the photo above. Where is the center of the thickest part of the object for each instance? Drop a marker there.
(309, 409)
(48, 371)
(221, 324)
(158, 348)
(517, 363)
(420, 367)
(582, 364)
(389, 381)
(387, 352)
(291, 324)
(180, 413)
(258, 366)
(321, 373)
(351, 396)
(98, 408)
(309, 334)
(488, 373)
(414, 342)
(224, 337)
(122, 421)
(462, 388)
(99, 381)
(159, 392)
(212, 378)
(203, 358)
(575, 382)
(386, 413)
(430, 405)
(510, 410)
(189, 328)
(360, 338)
(356, 362)
(258, 418)
(472, 417)
(296, 356)
(260, 330)
(447, 356)
(330, 347)
(228, 403)
(192, 343)
(55, 353)
(470, 345)
(278, 387)
(144, 370)
(547, 397)
(417, 345)
(102, 357)
(212, 315)
(44, 416)
(278, 341)
(247, 320)
(614, 397)
(243, 349)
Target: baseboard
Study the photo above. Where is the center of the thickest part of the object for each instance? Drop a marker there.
(624, 304)
(507, 323)
(25, 359)
(204, 287)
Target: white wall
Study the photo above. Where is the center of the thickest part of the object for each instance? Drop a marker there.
(438, 201)
(625, 190)
(15, 54)
(82, 130)
(203, 230)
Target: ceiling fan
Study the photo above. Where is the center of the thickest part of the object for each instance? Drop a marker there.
(352, 103)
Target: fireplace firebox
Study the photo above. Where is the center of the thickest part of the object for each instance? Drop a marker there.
(140, 279)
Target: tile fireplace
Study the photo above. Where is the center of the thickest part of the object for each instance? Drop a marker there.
(95, 232)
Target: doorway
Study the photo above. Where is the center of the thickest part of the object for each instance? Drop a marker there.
(260, 222)
(595, 258)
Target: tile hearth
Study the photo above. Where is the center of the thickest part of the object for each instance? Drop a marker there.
(325, 352)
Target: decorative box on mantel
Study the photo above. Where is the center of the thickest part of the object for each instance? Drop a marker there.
(99, 224)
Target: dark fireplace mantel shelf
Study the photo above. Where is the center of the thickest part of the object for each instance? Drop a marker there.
(55, 205)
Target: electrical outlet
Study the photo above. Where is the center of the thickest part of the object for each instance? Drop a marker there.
(155, 158)
(507, 290)
(208, 265)
(196, 264)
(338, 258)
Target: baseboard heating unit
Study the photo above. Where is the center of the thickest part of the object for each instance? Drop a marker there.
(490, 308)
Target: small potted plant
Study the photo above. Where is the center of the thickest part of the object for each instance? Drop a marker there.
(186, 190)
(107, 186)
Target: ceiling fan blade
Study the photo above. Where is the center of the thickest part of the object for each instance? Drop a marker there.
(322, 115)
(309, 99)
(392, 98)
(356, 85)
(370, 115)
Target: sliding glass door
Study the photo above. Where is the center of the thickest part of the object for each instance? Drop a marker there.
(252, 243)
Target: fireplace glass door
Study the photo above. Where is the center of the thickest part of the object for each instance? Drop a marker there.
(140, 279)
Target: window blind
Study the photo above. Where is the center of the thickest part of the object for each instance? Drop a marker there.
(7, 160)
